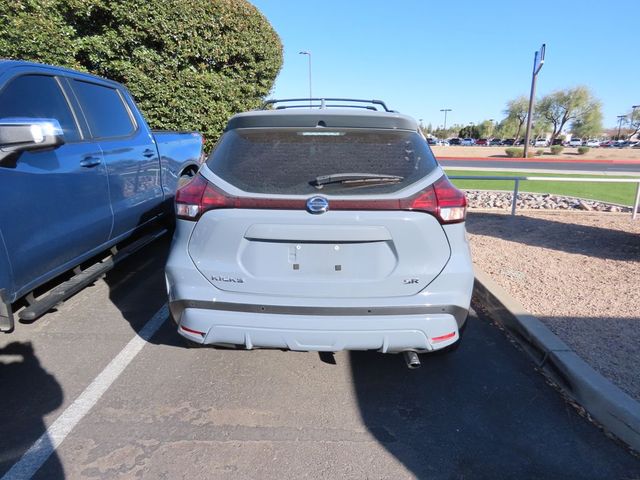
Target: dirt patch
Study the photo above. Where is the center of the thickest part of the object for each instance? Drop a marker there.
(567, 153)
(579, 272)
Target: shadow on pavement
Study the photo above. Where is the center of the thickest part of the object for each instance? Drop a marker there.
(544, 232)
(137, 288)
(480, 412)
(28, 392)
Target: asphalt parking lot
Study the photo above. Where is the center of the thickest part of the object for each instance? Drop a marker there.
(172, 412)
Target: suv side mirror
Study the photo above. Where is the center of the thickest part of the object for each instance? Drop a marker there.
(27, 134)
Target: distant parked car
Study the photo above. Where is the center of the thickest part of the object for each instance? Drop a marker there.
(482, 142)
(541, 142)
(495, 142)
(508, 142)
(442, 143)
(468, 142)
(575, 142)
(625, 144)
(557, 141)
(432, 141)
(455, 141)
(636, 145)
(592, 143)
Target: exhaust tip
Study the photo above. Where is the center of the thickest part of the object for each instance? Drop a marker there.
(412, 360)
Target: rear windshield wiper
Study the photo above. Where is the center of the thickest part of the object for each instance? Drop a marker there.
(355, 178)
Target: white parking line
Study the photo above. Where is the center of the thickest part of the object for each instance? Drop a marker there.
(40, 451)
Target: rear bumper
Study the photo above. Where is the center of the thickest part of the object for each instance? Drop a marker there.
(318, 329)
(427, 321)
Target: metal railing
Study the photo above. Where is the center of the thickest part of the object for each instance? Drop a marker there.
(517, 180)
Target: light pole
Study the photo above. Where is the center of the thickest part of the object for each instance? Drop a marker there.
(308, 54)
(538, 61)
(620, 117)
(445, 110)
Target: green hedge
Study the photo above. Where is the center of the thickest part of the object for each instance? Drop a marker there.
(556, 149)
(514, 152)
(583, 150)
(189, 64)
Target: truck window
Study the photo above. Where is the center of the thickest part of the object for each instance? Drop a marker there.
(104, 110)
(38, 96)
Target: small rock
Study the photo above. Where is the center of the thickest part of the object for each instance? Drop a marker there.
(584, 206)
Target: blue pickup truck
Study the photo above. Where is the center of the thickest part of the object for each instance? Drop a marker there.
(80, 173)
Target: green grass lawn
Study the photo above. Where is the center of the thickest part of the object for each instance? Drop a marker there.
(621, 193)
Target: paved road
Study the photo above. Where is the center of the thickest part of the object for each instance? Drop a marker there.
(483, 412)
(619, 167)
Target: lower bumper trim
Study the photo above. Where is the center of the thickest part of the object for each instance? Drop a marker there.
(459, 313)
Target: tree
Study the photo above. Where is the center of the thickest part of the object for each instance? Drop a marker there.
(634, 122)
(516, 113)
(451, 131)
(506, 128)
(189, 64)
(486, 128)
(590, 125)
(470, 131)
(568, 107)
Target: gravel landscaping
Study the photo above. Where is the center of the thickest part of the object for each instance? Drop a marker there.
(578, 271)
(538, 201)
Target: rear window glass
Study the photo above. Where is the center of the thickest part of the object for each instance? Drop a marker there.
(288, 161)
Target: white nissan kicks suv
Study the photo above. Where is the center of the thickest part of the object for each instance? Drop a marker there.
(321, 225)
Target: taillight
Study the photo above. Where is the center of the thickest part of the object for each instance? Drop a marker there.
(442, 200)
(198, 196)
(452, 203)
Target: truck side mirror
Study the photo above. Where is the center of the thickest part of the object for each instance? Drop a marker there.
(27, 134)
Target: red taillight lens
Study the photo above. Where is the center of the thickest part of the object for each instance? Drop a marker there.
(452, 203)
(425, 201)
(196, 197)
(442, 200)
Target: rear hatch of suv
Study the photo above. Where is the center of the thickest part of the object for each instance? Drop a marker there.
(321, 212)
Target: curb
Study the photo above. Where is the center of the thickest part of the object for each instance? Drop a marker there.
(612, 408)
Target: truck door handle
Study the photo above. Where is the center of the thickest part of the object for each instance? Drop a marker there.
(90, 161)
(149, 153)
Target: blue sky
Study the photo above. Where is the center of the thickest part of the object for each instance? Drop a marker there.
(470, 56)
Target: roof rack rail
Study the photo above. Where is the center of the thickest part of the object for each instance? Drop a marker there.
(364, 107)
(309, 103)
